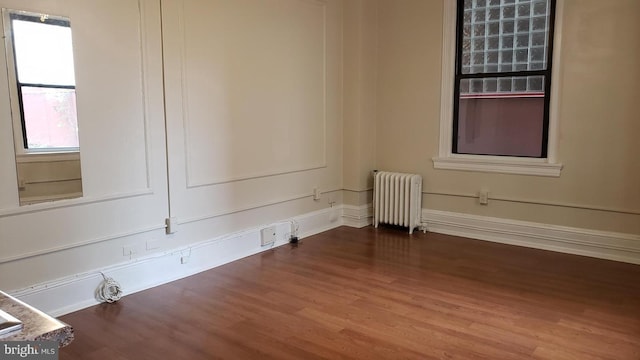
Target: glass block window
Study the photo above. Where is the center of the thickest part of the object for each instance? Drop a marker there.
(503, 77)
(500, 36)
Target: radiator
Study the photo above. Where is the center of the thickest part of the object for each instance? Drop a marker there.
(397, 199)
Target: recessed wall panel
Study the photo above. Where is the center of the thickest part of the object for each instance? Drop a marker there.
(253, 88)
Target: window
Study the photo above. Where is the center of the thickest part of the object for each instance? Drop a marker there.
(500, 105)
(503, 77)
(40, 61)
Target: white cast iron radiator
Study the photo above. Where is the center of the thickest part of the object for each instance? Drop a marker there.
(397, 199)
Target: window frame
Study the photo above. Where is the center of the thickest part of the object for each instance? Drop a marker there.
(15, 86)
(447, 159)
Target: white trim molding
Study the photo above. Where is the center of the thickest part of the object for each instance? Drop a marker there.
(570, 240)
(357, 216)
(76, 292)
(498, 164)
(446, 159)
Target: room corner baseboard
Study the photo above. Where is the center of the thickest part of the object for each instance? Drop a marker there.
(76, 292)
(578, 241)
(357, 216)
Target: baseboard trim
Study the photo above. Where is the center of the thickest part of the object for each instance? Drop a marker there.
(357, 216)
(76, 292)
(72, 293)
(578, 241)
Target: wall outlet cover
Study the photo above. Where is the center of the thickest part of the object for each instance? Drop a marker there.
(268, 236)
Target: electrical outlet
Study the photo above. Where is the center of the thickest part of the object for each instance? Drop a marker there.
(316, 193)
(483, 197)
(268, 236)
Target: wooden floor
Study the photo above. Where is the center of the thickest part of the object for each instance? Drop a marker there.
(378, 294)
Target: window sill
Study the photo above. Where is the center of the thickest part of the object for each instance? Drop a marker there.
(519, 166)
(47, 156)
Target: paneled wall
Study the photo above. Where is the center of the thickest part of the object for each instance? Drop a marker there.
(118, 64)
(253, 92)
(253, 97)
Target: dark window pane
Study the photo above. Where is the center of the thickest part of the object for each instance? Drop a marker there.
(494, 28)
(493, 43)
(492, 57)
(540, 8)
(478, 30)
(536, 66)
(538, 39)
(464, 87)
(495, 124)
(522, 41)
(467, 17)
(508, 12)
(520, 67)
(539, 24)
(466, 60)
(520, 84)
(537, 54)
(478, 58)
(522, 56)
(536, 83)
(507, 27)
(522, 26)
(506, 67)
(504, 85)
(491, 85)
(507, 42)
(478, 44)
(466, 46)
(494, 14)
(476, 86)
(523, 9)
(507, 56)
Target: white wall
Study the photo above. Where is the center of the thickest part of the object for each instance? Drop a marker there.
(253, 123)
(119, 83)
(598, 188)
(253, 96)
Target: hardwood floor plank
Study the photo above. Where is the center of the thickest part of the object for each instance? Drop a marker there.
(378, 294)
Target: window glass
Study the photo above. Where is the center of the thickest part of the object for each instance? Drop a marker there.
(50, 117)
(44, 53)
(43, 57)
(504, 112)
(502, 36)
